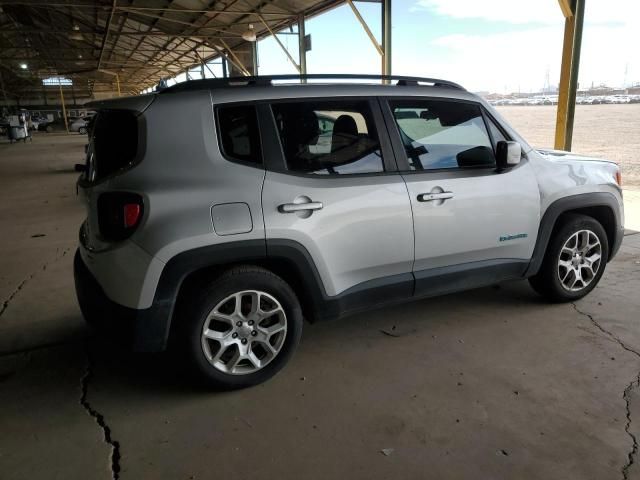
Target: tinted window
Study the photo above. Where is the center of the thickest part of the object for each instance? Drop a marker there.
(328, 137)
(440, 134)
(113, 143)
(239, 135)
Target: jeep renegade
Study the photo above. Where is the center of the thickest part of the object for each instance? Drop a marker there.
(222, 212)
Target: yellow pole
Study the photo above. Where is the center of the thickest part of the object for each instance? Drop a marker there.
(368, 31)
(64, 110)
(284, 49)
(118, 82)
(237, 61)
(563, 89)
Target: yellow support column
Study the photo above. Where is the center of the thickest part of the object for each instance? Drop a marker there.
(563, 88)
(574, 21)
(64, 110)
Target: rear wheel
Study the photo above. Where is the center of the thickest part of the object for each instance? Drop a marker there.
(82, 130)
(575, 260)
(242, 328)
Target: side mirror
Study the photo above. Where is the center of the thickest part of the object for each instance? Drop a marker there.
(507, 155)
(427, 115)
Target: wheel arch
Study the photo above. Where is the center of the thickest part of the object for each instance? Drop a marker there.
(601, 206)
(191, 269)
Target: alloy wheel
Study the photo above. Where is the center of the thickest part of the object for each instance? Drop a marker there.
(244, 332)
(579, 260)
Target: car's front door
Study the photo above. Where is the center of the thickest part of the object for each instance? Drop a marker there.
(472, 225)
(338, 194)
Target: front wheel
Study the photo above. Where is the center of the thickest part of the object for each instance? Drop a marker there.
(242, 328)
(575, 260)
(82, 131)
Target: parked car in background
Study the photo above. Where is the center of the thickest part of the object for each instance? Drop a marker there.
(79, 125)
(620, 99)
(45, 126)
(75, 124)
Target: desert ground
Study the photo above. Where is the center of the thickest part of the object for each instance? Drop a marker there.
(605, 131)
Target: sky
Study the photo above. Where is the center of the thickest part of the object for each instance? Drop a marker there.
(500, 46)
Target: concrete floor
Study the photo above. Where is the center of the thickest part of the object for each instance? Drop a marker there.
(491, 384)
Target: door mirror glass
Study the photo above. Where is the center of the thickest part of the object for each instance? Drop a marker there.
(507, 154)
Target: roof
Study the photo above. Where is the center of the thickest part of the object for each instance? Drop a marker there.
(248, 89)
(90, 41)
(330, 78)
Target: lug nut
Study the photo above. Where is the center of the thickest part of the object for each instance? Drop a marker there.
(238, 324)
(244, 341)
(250, 322)
(254, 333)
(235, 335)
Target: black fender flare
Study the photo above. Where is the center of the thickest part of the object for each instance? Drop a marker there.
(153, 325)
(568, 204)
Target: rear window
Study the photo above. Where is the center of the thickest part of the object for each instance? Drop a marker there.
(334, 137)
(238, 133)
(114, 143)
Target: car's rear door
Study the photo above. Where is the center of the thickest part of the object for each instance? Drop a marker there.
(332, 188)
(472, 225)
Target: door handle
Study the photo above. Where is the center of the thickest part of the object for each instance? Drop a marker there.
(299, 207)
(429, 197)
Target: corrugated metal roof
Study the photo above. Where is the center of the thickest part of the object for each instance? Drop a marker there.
(141, 40)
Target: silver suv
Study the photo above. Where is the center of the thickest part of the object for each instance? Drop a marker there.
(220, 213)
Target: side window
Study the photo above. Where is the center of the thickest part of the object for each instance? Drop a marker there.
(441, 134)
(496, 133)
(238, 133)
(328, 137)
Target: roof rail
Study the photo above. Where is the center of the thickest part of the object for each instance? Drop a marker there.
(268, 81)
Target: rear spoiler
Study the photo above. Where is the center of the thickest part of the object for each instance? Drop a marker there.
(137, 103)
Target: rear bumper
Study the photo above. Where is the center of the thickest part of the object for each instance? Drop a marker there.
(127, 274)
(127, 325)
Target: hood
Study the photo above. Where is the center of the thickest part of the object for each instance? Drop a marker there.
(562, 155)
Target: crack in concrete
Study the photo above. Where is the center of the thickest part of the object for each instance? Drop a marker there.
(6, 303)
(634, 384)
(35, 348)
(634, 449)
(99, 418)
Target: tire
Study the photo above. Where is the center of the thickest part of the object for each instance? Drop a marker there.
(82, 130)
(570, 257)
(212, 359)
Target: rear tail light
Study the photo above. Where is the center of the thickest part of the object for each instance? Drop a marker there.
(119, 214)
(132, 213)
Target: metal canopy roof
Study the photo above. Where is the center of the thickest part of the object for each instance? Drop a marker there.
(140, 40)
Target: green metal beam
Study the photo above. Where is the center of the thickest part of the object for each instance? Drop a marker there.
(386, 37)
(302, 46)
